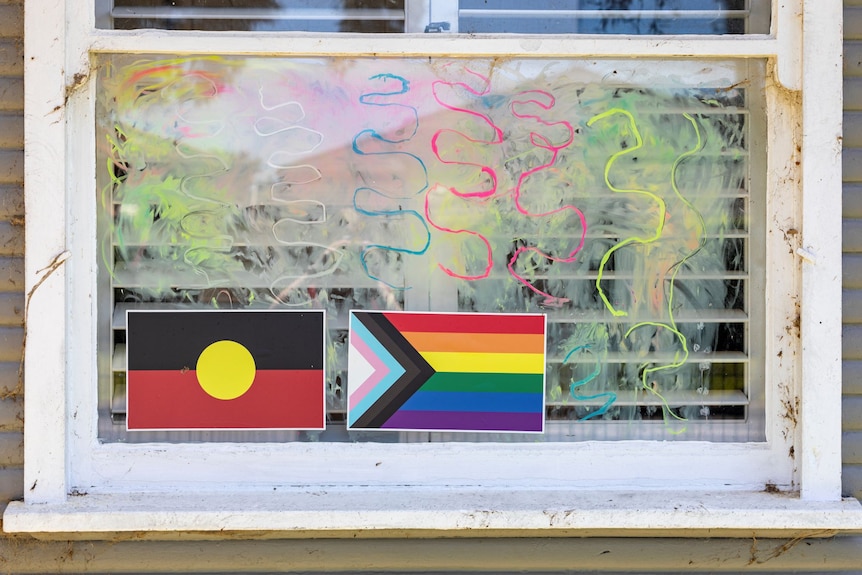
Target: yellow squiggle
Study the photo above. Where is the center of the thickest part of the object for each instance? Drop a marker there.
(662, 207)
(671, 325)
(678, 362)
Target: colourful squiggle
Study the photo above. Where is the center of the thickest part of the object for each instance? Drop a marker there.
(374, 134)
(671, 325)
(497, 139)
(405, 87)
(387, 213)
(485, 169)
(189, 135)
(114, 162)
(542, 142)
(679, 361)
(609, 396)
(268, 108)
(187, 179)
(658, 200)
(490, 258)
(162, 74)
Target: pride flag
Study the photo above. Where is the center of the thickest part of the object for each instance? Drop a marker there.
(214, 369)
(446, 371)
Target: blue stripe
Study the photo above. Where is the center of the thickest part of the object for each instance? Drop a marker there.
(465, 401)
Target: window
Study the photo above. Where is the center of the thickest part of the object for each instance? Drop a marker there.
(695, 135)
(596, 371)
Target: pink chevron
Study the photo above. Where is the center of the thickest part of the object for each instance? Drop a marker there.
(380, 371)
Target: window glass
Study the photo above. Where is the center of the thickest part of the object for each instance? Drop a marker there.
(378, 16)
(621, 198)
(465, 16)
(615, 17)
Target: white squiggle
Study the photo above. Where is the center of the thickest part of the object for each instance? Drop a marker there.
(219, 123)
(287, 123)
(187, 81)
(325, 272)
(273, 164)
(185, 105)
(317, 176)
(283, 292)
(185, 156)
(274, 161)
(282, 105)
(320, 220)
(196, 267)
(223, 239)
(178, 147)
(186, 179)
(297, 281)
(266, 133)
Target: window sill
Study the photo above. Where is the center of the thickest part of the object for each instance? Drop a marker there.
(370, 513)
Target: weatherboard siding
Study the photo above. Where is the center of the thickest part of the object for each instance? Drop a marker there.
(852, 346)
(11, 247)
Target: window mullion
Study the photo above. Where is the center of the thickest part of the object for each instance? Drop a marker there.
(416, 15)
(104, 19)
(788, 31)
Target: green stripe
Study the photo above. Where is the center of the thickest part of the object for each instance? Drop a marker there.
(486, 382)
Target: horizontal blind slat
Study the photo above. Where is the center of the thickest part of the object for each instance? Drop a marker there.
(584, 13)
(178, 13)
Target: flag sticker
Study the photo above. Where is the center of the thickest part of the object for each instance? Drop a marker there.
(213, 369)
(446, 372)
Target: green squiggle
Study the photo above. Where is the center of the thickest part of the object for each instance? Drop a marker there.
(662, 207)
(671, 325)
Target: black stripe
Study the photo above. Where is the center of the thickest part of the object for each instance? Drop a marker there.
(175, 339)
(417, 371)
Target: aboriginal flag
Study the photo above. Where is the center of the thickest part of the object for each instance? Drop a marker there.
(203, 369)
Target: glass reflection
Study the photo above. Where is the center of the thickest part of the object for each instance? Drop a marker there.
(653, 17)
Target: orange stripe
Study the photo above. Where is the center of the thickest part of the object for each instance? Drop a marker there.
(476, 342)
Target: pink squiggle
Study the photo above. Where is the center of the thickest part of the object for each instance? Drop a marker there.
(447, 271)
(542, 142)
(497, 139)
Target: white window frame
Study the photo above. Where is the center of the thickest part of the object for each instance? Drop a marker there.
(75, 484)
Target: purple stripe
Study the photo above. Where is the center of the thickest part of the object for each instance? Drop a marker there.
(465, 421)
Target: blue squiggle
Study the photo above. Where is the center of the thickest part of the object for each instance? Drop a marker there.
(374, 134)
(384, 213)
(609, 396)
(405, 87)
(377, 136)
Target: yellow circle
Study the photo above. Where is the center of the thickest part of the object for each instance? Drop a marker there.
(225, 369)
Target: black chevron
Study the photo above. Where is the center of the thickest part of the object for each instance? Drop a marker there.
(416, 370)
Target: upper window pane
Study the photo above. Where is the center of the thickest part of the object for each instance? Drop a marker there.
(615, 16)
(325, 16)
(655, 17)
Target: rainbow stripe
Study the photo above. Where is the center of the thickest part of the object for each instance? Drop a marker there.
(446, 371)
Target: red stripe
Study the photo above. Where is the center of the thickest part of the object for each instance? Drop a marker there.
(467, 322)
(173, 399)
